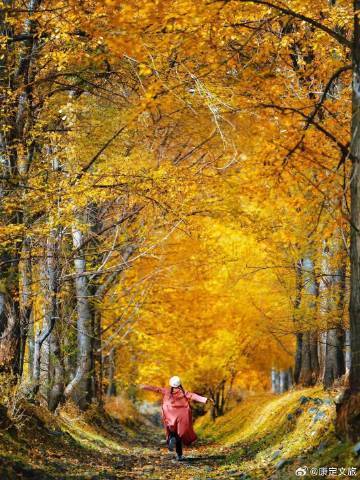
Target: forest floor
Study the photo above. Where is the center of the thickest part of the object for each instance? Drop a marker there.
(263, 437)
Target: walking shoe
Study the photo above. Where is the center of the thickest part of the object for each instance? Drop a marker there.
(172, 443)
(180, 458)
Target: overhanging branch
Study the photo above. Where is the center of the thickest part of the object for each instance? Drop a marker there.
(287, 11)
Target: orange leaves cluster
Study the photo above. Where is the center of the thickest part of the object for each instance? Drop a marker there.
(211, 101)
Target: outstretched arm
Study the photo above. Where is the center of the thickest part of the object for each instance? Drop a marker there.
(195, 397)
(151, 388)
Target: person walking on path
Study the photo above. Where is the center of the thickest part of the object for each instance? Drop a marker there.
(176, 414)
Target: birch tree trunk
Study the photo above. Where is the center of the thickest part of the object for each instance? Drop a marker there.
(334, 287)
(30, 350)
(322, 354)
(299, 334)
(42, 362)
(26, 303)
(15, 74)
(98, 359)
(79, 387)
(275, 381)
(41, 373)
(310, 368)
(56, 380)
(285, 380)
(70, 340)
(347, 351)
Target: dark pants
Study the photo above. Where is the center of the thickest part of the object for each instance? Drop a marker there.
(179, 449)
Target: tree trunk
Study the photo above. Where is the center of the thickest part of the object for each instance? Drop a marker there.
(42, 362)
(355, 214)
(284, 381)
(275, 381)
(310, 368)
(315, 366)
(310, 363)
(299, 335)
(56, 391)
(98, 359)
(298, 357)
(348, 410)
(290, 378)
(31, 346)
(41, 373)
(334, 288)
(322, 354)
(79, 387)
(347, 351)
(26, 303)
(9, 325)
(10, 332)
(69, 343)
(56, 383)
(335, 362)
(15, 74)
(111, 391)
(305, 377)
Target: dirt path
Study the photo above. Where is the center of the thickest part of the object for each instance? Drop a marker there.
(148, 457)
(200, 463)
(91, 453)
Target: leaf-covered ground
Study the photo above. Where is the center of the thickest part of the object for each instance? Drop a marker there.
(263, 437)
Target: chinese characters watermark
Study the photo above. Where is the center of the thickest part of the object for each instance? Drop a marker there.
(326, 471)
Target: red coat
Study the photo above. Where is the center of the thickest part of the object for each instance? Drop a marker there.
(176, 412)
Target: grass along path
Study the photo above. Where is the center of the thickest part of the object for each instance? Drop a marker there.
(71, 448)
(76, 446)
(264, 437)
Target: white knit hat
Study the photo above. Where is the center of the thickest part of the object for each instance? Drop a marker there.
(175, 382)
